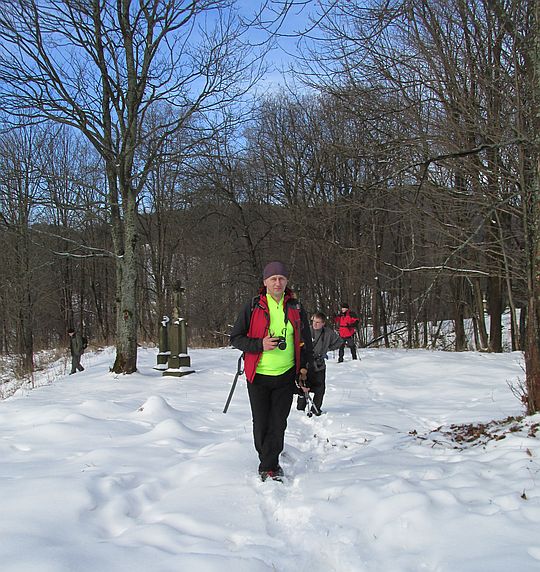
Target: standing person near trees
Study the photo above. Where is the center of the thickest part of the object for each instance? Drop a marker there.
(76, 346)
(273, 332)
(324, 340)
(347, 322)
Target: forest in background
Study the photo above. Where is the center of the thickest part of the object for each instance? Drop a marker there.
(397, 170)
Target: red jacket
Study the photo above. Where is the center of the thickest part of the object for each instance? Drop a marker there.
(347, 324)
(252, 326)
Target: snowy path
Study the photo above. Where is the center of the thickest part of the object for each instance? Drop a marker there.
(141, 472)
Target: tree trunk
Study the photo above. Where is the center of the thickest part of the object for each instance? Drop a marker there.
(480, 312)
(375, 314)
(459, 313)
(126, 292)
(26, 340)
(425, 332)
(495, 306)
(532, 350)
(410, 320)
(522, 327)
(532, 355)
(384, 319)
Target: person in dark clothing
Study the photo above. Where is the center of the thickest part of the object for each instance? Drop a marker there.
(273, 332)
(76, 347)
(324, 340)
(347, 322)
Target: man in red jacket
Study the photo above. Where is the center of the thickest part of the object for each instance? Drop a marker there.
(347, 322)
(273, 332)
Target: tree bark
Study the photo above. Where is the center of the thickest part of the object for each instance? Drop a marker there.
(480, 313)
(126, 293)
(532, 350)
(495, 307)
(459, 313)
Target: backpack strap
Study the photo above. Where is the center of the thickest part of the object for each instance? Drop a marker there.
(255, 302)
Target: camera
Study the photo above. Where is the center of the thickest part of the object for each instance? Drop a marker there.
(282, 343)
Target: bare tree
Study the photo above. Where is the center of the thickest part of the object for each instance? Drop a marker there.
(100, 66)
(448, 69)
(20, 192)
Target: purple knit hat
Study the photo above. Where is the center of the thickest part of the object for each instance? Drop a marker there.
(273, 268)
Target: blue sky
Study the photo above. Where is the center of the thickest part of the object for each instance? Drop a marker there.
(286, 40)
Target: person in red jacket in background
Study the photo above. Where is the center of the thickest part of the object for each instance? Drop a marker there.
(347, 322)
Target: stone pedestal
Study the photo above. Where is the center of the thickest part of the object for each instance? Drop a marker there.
(164, 353)
(179, 362)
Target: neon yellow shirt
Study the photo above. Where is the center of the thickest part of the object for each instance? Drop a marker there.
(276, 361)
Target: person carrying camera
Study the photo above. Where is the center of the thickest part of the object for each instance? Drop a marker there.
(347, 322)
(324, 340)
(273, 332)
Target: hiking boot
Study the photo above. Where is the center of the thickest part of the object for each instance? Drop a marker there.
(269, 475)
(275, 475)
(301, 403)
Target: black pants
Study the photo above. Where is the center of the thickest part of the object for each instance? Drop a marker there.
(349, 342)
(316, 382)
(76, 363)
(270, 397)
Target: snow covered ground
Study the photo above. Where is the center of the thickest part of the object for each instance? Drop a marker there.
(108, 473)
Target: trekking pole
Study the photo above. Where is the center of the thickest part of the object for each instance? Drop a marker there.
(310, 405)
(239, 372)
